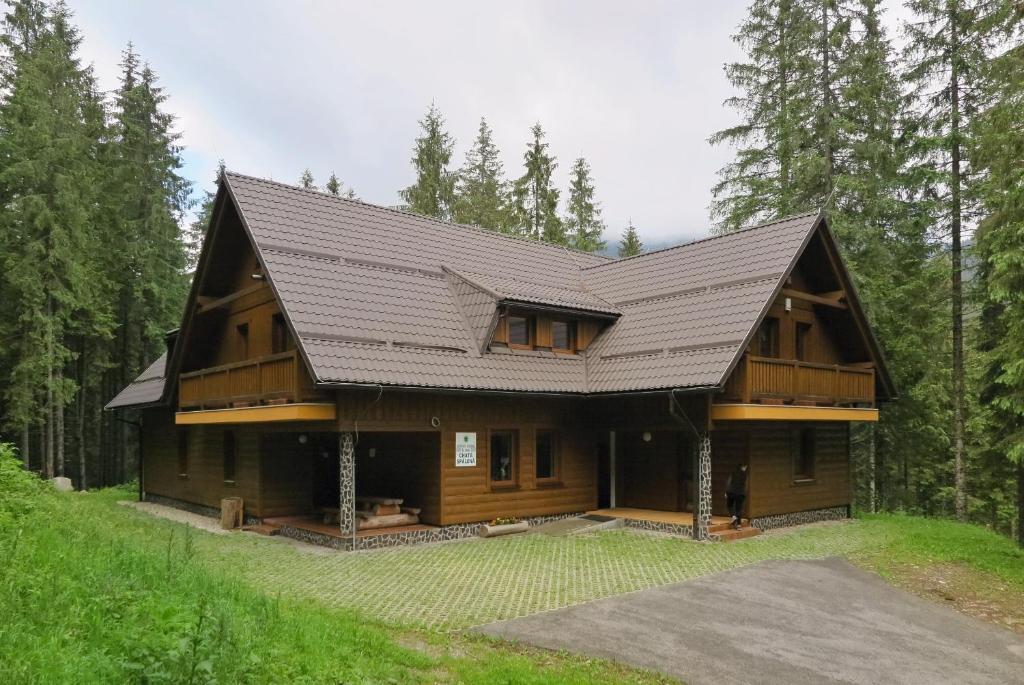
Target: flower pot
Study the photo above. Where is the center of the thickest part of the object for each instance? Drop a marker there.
(489, 531)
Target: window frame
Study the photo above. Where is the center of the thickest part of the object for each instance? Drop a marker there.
(531, 331)
(804, 440)
(229, 455)
(513, 481)
(278, 334)
(571, 335)
(183, 452)
(556, 457)
(242, 338)
(801, 338)
(770, 323)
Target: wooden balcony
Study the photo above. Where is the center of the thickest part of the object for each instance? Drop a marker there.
(274, 379)
(765, 379)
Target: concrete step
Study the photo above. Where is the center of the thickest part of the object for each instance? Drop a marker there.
(721, 527)
(262, 529)
(732, 535)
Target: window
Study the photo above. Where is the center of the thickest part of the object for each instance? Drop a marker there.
(230, 455)
(242, 331)
(546, 456)
(803, 337)
(563, 336)
(803, 457)
(183, 452)
(503, 458)
(520, 331)
(768, 338)
(278, 334)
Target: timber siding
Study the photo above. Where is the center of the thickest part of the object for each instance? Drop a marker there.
(204, 484)
(771, 486)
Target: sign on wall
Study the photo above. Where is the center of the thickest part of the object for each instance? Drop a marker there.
(465, 449)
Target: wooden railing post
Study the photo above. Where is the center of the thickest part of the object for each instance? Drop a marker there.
(748, 380)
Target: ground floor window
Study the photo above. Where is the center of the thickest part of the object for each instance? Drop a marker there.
(546, 456)
(503, 458)
(230, 456)
(183, 452)
(803, 454)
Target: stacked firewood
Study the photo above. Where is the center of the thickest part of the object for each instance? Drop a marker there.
(384, 512)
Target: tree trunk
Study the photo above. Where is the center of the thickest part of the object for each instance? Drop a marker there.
(80, 424)
(872, 500)
(49, 395)
(26, 440)
(826, 101)
(957, 284)
(59, 433)
(1020, 502)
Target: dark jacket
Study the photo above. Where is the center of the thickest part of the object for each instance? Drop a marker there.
(737, 483)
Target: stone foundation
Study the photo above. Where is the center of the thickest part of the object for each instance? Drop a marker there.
(660, 527)
(800, 517)
(201, 509)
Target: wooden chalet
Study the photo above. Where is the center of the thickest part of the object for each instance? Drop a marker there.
(362, 377)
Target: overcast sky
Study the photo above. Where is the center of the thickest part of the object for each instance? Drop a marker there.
(274, 87)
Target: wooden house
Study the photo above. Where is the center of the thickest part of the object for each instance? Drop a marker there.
(335, 356)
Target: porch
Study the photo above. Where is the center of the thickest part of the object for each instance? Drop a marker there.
(676, 522)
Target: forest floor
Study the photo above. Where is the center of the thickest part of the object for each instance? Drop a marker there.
(114, 591)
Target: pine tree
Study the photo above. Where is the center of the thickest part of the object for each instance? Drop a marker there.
(306, 180)
(535, 198)
(630, 245)
(51, 280)
(583, 224)
(433, 193)
(946, 49)
(335, 187)
(481, 190)
(201, 224)
(998, 155)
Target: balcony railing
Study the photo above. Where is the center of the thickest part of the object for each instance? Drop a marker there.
(766, 378)
(274, 379)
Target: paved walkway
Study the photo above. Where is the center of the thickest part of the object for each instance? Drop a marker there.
(782, 622)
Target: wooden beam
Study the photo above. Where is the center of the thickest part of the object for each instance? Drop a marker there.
(228, 299)
(762, 412)
(299, 411)
(833, 295)
(816, 299)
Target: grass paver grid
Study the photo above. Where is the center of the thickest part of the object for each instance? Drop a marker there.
(461, 584)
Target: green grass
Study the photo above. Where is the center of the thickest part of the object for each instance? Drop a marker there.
(91, 591)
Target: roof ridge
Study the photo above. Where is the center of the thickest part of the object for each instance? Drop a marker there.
(708, 238)
(471, 227)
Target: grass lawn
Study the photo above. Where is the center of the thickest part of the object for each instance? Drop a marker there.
(93, 591)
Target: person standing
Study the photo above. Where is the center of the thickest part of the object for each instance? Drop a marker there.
(736, 494)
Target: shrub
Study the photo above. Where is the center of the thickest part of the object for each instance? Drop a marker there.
(21, 492)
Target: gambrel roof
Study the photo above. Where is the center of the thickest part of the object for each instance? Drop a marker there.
(380, 296)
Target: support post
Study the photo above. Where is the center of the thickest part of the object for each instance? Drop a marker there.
(611, 469)
(702, 512)
(347, 482)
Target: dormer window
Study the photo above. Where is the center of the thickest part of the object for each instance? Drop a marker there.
(521, 331)
(563, 335)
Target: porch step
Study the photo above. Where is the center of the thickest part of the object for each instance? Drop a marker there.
(732, 535)
(722, 527)
(263, 529)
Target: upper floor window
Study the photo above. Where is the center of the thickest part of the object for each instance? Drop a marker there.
(768, 338)
(802, 340)
(278, 334)
(520, 331)
(242, 336)
(563, 335)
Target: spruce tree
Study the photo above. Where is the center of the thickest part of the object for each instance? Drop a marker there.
(535, 198)
(630, 245)
(306, 180)
(433, 192)
(946, 50)
(481, 190)
(201, 224)
(335, 187)
(583, 224)
(998, 155)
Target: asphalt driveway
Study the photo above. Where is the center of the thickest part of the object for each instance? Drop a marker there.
(781, 622)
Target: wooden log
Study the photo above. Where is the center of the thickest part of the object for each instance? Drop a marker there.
(386, 509)
(378, 500)
(387, 521)
(231, 513)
